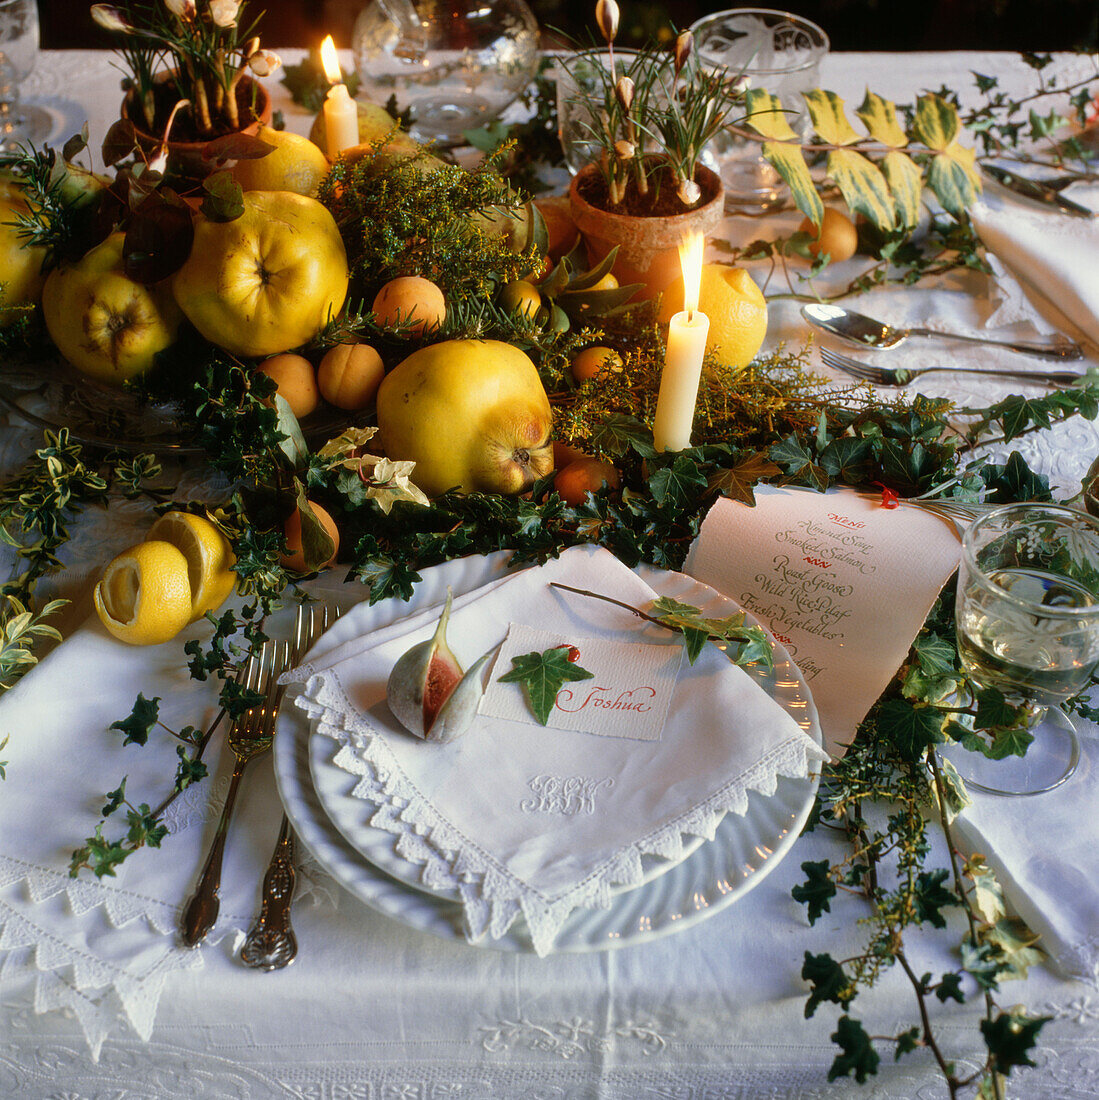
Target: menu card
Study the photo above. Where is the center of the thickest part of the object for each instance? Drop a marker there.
(843, 583)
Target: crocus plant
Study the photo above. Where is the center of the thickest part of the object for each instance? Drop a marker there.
(204, 45)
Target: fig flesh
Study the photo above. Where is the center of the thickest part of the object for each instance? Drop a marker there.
(427, 690)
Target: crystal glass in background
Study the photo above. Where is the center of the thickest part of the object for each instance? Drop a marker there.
(457, 63)
(581, 79)
(1028, 624)
(19, 122)
(773, 50)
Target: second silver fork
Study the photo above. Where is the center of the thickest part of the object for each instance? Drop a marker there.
(271, 943)
(884, 376)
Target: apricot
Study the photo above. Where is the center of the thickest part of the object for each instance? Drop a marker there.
(294, 558)
(837, 236)
(410, 298)
(585, 475)
(593, 361)
(295, 380)
(520, 297)
(349, 376)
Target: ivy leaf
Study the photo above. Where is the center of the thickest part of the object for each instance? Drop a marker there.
(937, 656)
(817, 891)
(950, 988)
(190, 770)
(993, 710)
(738, 482)
(542, 676)
(859, 1057)
(907, 1042)
(115, 799)
(847, 458)
(911, 728)
(677, 485)
(1013, 480)
(1010, 1038)
(751, 642)
(140, 721)
(929, 897)
(616, 432)
(829, 982)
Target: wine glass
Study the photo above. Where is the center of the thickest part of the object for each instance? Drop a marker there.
(19, 122)
(1028, 624)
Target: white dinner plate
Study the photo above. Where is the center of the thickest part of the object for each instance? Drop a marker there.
(745, 849)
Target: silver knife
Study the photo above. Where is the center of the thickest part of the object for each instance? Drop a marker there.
(1035, 189)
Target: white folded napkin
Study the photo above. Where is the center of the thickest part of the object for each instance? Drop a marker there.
(1045, 852)
(1051, 253)
(489, 834)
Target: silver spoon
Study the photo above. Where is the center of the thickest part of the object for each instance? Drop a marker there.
(856, 328)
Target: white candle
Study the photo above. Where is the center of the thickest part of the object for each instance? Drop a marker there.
(341, 115)
(687, 332)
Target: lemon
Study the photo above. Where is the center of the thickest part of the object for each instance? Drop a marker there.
(144, 597)
(208, 555)
(735, 306)
(295, 164)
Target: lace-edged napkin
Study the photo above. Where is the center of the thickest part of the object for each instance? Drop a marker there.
(1051, 253)
(476, 812)
(1044, 852)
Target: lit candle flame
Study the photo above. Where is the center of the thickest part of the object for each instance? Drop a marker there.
(690, 258)
(330, 61)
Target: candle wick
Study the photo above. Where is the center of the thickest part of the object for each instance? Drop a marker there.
(690, 316)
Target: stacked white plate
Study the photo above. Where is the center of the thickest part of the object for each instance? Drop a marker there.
(711, 875)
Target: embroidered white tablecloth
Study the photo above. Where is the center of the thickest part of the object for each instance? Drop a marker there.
(374, 1011)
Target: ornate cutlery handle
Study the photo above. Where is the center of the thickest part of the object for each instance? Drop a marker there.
(1065, 349)
(202, 910)
(271, 944)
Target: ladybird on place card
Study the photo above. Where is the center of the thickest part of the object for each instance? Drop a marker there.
(627, 696)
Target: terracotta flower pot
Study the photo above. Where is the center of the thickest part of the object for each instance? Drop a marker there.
(648, 247)
(185, 158)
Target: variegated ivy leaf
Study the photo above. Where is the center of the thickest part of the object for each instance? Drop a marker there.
(879, 116)
(767, 116)
(936, 123)
(906, 182)
(952, 176)
(389, 482)
(826, 109)
(789, 162)
(346, 442)
(862, 185)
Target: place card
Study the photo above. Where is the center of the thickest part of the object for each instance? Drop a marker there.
(628, 695)
(843, 583)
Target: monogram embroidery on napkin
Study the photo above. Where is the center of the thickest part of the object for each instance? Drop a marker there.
(563, 794)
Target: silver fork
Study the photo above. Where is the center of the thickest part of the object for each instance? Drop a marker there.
(900, 376)
(249, 737)
(271, 943)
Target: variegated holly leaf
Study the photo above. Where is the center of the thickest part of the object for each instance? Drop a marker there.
(862, 185)
(826, 109)
(906, 182)
(789, 162)
(952, 176)
(767, 116)
(936, 122)
(879, 116)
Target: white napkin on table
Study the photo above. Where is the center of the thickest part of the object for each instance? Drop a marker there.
(469, 808)
(1045, 852)
(1052, 254)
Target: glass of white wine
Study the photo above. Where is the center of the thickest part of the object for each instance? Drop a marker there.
(20, 123)
(1028, 624)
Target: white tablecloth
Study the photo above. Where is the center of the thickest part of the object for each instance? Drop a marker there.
(374, 1011)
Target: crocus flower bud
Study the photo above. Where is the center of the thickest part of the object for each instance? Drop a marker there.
(224, 12)
(624, 150)
(264, 62)
(181, 9)
(606, 16)
(689, 192)
(684, 47)
(623, 92)
(109, 18)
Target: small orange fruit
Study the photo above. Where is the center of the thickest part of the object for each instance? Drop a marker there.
(295, 380)
(837, 237)
(594, 361)
(564, 453)
(349, 376)
(294, 558)
(410, 298)
(585, 475)
(520, 297)
(608, 282)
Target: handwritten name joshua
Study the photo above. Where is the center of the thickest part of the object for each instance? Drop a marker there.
(638, 699)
